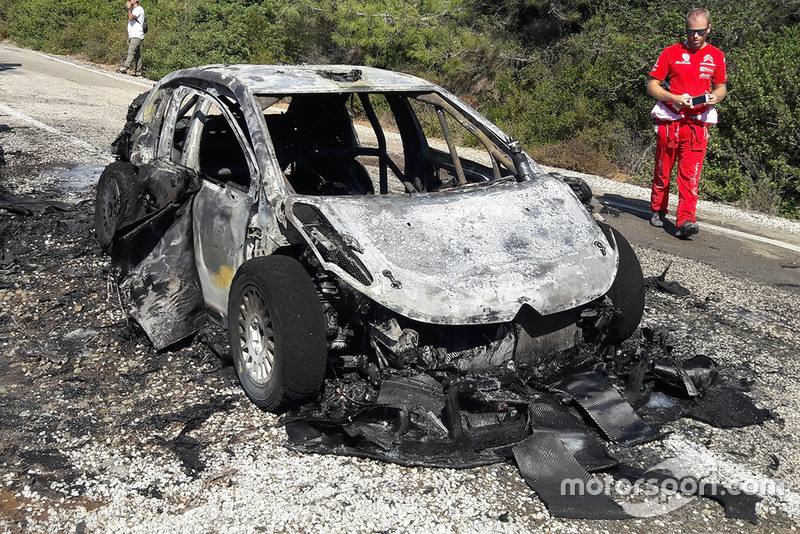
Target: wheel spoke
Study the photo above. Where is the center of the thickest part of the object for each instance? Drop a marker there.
(256, 337)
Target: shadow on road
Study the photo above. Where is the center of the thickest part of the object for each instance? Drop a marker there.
(9, 66)
(636, 207)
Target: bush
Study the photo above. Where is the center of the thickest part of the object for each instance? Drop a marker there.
(761, 124)
(577, 155)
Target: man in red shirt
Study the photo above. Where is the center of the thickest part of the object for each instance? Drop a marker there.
(693, 78)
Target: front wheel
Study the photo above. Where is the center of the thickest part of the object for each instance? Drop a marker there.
(627, 291)
(277, 332)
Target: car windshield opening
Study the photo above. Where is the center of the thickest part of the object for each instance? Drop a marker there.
(379, 143)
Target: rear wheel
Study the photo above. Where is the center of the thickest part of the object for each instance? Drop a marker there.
(113, 200)
(277, 332)
(627, 291)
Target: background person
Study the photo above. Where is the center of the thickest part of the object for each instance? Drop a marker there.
(135, 37)
(689, 69)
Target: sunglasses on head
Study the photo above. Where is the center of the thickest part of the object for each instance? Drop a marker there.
(698, 32)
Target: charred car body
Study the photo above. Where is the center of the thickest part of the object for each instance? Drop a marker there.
(247, 194)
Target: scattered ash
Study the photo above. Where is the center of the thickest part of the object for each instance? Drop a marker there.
(74, 371)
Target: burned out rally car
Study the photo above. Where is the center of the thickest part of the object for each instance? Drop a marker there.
(340, 218)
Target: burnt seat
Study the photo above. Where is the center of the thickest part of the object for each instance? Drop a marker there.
(221, 155)
(316, 146)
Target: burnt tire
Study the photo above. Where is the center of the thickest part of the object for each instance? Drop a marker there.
(113, 200)
(276, 330)
(627, 291)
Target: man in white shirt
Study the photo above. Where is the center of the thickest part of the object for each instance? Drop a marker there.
(136, 31)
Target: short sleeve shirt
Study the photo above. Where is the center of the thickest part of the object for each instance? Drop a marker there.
(135, 29)
(690, 71)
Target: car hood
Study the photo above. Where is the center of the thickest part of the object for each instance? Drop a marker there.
(473, 255)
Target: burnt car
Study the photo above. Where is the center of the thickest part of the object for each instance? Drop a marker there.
(351, 218)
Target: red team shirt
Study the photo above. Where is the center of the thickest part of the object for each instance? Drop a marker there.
(690, 71)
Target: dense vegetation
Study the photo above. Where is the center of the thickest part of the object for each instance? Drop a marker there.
(565, 76)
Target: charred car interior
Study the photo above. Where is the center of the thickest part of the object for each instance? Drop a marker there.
(388, 264)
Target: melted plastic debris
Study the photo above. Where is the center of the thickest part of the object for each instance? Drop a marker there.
(24, 205)
(737, 505)
(545, 463)
(726, 406)
(552, 428)
(659, 282)
(605, 406)
(188, 449)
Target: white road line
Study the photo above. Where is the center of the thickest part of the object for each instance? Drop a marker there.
(5, 110)
(720, 229)
(704, 464)
(96, 71)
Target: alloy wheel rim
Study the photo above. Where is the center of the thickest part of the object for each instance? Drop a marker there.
(256, 337)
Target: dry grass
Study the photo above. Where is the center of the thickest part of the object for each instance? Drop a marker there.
(578, 155)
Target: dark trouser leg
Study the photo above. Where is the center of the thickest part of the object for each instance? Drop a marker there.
(134, 54)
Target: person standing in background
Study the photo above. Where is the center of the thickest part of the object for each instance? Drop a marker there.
(136, 31)
(694, 75)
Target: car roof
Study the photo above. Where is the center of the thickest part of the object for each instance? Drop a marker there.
(294, 79)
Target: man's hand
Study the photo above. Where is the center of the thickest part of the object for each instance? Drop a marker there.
(682, 101)
(655, 90)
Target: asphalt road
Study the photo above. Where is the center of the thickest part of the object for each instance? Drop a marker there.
(60, 115)
(734, 244)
